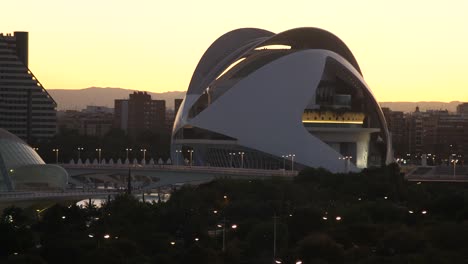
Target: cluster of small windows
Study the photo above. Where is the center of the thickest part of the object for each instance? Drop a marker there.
(24, 103)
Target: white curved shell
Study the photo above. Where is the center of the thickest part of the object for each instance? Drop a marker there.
(263, 111)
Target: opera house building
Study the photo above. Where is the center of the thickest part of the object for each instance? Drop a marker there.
(21, 168)
(280, 101)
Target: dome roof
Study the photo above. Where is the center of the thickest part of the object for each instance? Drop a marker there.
(4, 134)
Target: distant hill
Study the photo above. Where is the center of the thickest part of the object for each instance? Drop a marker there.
(78, 99)
(423, 106)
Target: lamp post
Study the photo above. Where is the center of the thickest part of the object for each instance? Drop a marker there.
(346, 160)
(56, 150)
(177, 155)
(127, 149)
(284, 163)
(99, 155)
(242, 159)
(292, 161)
(274, 237)
(79, 152)
(144, 154)
(223, 225)
(454, 161)
(231, 155)
(191, 156)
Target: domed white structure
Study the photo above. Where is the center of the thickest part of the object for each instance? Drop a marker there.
(22, 168)
(264, 100)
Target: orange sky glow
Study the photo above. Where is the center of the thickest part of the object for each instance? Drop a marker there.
(407, 50)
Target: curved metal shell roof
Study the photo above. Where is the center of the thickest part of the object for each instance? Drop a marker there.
(235, 44)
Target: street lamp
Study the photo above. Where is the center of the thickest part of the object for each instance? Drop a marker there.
(56, 150)
(454, 161)
(292, 161)
(231, 155)
(79, 152)
(144, 154)
(346, 160)
(242, 159)
(177, 155)
(223, 225)
(191, 156)
(99, 155)
(274, 237)
(127, 149)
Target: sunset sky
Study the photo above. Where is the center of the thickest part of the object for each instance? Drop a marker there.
(407, 50)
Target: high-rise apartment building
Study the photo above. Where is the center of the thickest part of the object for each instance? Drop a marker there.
(397, 127)
(26, 109)
(462, 109)
(438, 134)
(139, 113)
(177, 104)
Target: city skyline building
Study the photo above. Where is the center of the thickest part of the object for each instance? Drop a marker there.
(439, 135)
(257, 99)
(26, 108)
(139, 113)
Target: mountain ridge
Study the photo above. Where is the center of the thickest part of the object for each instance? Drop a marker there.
(78, 99)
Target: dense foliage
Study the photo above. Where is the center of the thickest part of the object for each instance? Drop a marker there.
(370, 217)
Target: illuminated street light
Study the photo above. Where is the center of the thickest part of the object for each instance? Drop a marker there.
(242, 158)
(144, 154)
(346, 162)
(56, 150)
(128, 149)
(454, 161)
(191, 156)
(231, 155)
(178, 152)
(106, 236)
(79, 152)
(284, 163)
(99, 155)
(292, 161)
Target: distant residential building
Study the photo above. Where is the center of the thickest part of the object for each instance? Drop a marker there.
(93, 109)
(397, 127)
(87, 123)
(171, 114)
(462, 109)
(177, 104)
(438, 134)
(139, 113)
(26, 109)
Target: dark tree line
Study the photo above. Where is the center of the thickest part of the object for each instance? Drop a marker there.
(370, 217)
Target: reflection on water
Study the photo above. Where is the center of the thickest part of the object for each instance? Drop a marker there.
(148, 198)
